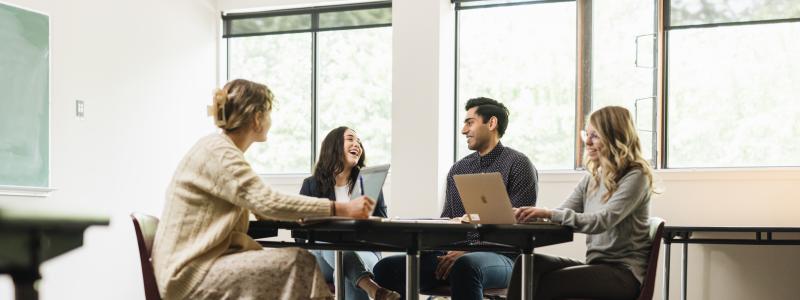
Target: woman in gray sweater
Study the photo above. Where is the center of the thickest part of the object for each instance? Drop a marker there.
(611, 206)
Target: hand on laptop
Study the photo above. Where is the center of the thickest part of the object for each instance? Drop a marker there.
(359, 208)
(526, 213)
(446, 263)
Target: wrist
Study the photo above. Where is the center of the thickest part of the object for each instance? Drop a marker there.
(338, 208)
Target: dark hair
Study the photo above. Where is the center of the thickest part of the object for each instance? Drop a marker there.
(331, 162)
(488, 108)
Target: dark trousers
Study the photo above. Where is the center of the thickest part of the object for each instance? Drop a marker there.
(470, 274)
(559, 277)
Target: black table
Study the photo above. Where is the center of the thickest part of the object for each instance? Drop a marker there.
(683, 235)
(412, 238)
(31, 237)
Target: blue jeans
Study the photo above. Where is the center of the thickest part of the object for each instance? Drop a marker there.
(470, 274)
(357, 264)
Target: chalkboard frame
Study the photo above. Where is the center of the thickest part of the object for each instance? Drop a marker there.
(25, 189)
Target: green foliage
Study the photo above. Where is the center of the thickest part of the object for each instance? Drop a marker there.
(730, 98)
(354, 89)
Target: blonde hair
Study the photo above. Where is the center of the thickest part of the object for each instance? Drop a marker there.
(238, 102)
(620, 152)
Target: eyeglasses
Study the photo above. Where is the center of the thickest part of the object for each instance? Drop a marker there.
(585, 136)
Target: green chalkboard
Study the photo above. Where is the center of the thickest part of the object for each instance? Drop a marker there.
(24, 98)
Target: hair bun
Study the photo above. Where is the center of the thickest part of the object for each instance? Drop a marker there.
(217, 109)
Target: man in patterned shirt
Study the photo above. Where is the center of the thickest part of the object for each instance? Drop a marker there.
(468, 273)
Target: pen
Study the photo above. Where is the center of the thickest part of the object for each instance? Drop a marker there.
(361, 184)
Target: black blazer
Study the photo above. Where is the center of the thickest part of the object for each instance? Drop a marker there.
(311, 188)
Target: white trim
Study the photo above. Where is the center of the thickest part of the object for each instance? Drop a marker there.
(28, 9)
(283, 179)
(25, 191)
(701, 174)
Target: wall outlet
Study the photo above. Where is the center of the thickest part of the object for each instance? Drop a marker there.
(79, 109)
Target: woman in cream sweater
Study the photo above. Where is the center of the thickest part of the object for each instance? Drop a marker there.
(201, 249)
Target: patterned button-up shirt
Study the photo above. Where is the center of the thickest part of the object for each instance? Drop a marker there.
(519, 176)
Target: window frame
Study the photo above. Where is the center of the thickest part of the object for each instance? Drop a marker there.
(314, 13)
(583, 82)
(583, 102)
(664, 28)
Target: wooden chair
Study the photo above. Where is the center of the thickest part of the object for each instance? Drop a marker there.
(145, 227)
(656, 236)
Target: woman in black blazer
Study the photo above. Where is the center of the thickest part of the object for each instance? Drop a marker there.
(335, 175)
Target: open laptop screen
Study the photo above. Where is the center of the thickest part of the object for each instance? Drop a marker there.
(371, 181)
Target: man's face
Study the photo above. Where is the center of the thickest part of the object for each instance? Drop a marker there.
(476, 131)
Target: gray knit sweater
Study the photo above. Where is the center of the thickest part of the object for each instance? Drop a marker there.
(617, 230)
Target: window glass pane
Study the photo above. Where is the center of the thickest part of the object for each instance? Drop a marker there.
(270, 24)
(283, 63)
(361, 17)
(523, 56)
(693, 12)
(622, 62)
(355, 87)
(732, 96)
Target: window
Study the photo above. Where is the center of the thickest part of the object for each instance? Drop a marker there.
(355, 87)
(714, 87)
(328, 67)
(283, 62)
(623, 70)
(731, 73)
(503, 51)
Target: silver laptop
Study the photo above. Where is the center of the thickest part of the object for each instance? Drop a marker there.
(371, 180)
(486, 201)
(485, 198)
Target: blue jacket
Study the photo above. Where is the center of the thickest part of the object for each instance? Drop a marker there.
(311, 188)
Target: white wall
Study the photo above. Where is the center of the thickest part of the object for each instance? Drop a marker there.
(146, 70)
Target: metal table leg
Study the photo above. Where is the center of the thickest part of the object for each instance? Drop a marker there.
(339, 275)
(666, 270)
(412, 275)
(684, 270)
(25, 286)
(527, 272)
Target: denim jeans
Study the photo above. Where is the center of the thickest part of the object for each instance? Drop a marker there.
(357, 264)
(468, 277)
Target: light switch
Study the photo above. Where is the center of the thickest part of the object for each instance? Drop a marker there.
(79, 109)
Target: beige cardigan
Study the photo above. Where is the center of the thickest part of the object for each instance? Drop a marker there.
(207, 210)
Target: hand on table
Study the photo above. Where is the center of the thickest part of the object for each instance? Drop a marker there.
(359, 208)
(525, 213)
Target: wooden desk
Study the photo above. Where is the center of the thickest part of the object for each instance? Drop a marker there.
(683, 235)
(412, 238)
(30, 238)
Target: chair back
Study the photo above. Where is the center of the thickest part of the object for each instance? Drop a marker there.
(145, 227)
(656, 235)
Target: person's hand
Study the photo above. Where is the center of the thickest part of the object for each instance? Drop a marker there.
(529, 212)
(358, 208)
(446, 263)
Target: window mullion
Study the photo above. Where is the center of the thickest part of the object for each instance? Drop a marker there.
(314, 125)
(661, 83)
(583, 88)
